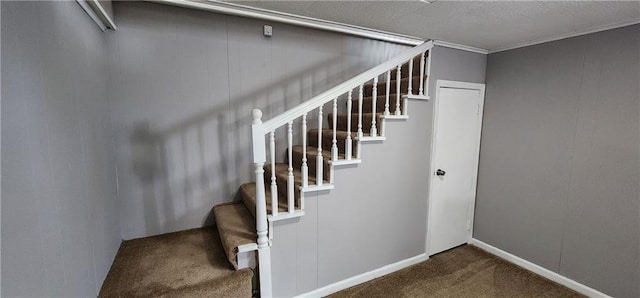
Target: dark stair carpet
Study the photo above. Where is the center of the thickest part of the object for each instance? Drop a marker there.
(236, 221)
(189, 263)
(192, 263)
(202, 262)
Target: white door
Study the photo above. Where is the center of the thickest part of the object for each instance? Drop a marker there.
(456, 144)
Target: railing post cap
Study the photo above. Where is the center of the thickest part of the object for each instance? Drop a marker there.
(257, 116)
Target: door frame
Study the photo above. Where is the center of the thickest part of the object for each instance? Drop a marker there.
(432, 167)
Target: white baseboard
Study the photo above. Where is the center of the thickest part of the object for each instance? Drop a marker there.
(364, 277)
(567, 282)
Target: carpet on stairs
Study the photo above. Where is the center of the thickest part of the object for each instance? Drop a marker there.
(465, 271)
(236, 220)
(189, 263)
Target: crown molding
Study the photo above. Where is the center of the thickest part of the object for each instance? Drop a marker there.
(459, 47)
(97, 13)
(567, 35)
(291, 19)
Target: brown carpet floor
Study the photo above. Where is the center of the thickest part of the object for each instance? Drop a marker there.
(189, 263)
(465, 271)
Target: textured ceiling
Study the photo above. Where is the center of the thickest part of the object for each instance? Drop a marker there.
(487, 25)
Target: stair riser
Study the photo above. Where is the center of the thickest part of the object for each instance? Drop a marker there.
(248, 198)
(281, 182)
(382, 87)
(366, 122)
(282, 189)
(250, 204)
(327, 142)
(312, 164)
(367, 104)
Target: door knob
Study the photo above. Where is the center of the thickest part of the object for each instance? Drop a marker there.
(440, 172)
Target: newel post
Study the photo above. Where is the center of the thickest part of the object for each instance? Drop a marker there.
(259, 158)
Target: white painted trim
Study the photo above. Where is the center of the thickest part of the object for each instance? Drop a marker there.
(104, 16)
(434, 127)
(370, 139)
(416, 97)
(364, 277)
(345, 162)
(394, 117)
(247, 247)
(567, 35)
(312, 188)
(459, 47)
(553, 276)
(292, 19)
(92, 14)
(285, 215)
(342, 89)
(246, 259)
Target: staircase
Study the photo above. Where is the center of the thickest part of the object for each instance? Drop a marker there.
(359, 111)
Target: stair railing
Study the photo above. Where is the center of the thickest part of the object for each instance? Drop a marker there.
(261, 129)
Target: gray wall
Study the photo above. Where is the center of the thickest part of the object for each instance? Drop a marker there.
(60, 227)
(559, 165)
(183, 84)
(456, 65)
(375, 216)
(356, 228)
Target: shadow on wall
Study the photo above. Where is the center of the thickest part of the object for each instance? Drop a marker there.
(206, 157)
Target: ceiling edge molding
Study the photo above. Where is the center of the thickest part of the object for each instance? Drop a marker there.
(92, 14)
(291, 19)
(567, 35)
(459, 47)
(102, 14)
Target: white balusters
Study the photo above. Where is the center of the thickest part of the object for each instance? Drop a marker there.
(319, 159)
(428, 63)
(260, 130)
(349, 142)
(290, 181)
(360, 98)
(305, 168)
(374, 94)
(397, 113)
(359, 133)
(405, 104)
(274, 185)
(409, 91)
(386, 102)
(262, 230)
(264, 253)
(421, 91)
(334, 145)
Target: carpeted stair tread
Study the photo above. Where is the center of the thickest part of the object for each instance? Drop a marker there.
(382, 86)
(366, 122)
(189, 263)
(248, 193)
(282, 172)
(236, 226)
(312, 153)
(327, 139)
(367, 103)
